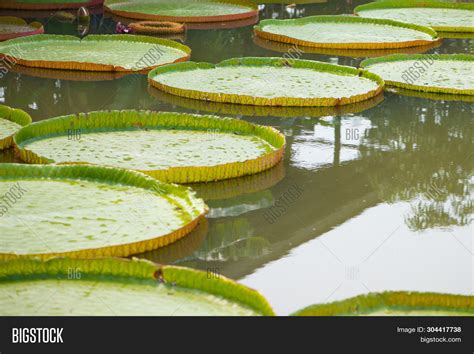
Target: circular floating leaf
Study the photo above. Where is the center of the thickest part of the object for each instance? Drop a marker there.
(268, 82)
(90, 211)
(441, 16)
(124, 287)
(157, 27)
(399, 303)
(346, 32)
(11, 120)
(12, 27)
(47, 4)
(174, 147)
(445, 73)
(94, 52)
(183, 10)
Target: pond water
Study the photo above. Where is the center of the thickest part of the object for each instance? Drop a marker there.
(370, 197)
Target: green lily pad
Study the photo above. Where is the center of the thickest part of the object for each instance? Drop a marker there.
(442, 16)
(12, 27)
(94, 52)
(399, 303)
(47, 4)
(267, 82)
(11, 121)
(109, 286)
(88, 211)
(445, 73)
(345, 32)
(183, 10)
(175, 147)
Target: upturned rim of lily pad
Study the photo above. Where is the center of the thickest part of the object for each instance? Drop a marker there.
(261, 101)
(14, 115)
(400, 4)
(253, 11)
(403, 57)
(393, 300)
(109, 175)
(37, 27)
(88, 66)
(18, 5)
(117, 120)
(120, 270)
(259, 30)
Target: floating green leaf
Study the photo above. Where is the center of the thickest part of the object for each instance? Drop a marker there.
(183, 10)
(94, 52)
(267, 82)
(89, 211)
(174, 147)
(437, 73)
(346, 32)
(442, 16)
(399, 303)
(12, 27)
(123, 287)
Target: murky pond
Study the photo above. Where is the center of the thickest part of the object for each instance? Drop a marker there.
(370, 197)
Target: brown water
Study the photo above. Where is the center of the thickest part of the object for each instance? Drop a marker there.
(371, 197)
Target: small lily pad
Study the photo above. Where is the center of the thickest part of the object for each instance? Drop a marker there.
(11, 120)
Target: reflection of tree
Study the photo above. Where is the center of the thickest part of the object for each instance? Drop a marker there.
(423, 156)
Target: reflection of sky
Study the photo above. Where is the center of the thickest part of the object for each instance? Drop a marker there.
(354, 259)
(315, 149)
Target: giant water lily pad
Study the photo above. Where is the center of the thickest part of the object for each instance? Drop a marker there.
(445, 73)
(94, 52)
(88, 211)
(12, 27)
(441, 16)
(11, 120)
(399, 303)
(175, 147)
(47, 4)
(183, 10)
(119, 287)
(267, 82)
(346, 32)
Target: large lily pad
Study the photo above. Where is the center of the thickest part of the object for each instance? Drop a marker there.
(346, 32)
(175, 147)
(11, 120)
(12, 27)
(88, 211)
(47, 4)
(399, 303)
(442, 16)
(108, 286)
(267, 82)
(445, 73)
(94, 52)
(183, 10)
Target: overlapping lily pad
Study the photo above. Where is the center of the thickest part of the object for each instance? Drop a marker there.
(442, 16)
(90, 211)
(268, 82)
(346, 32)
(396, 304)
(11, 120)
(172, 147)
(12, 27)
(124, 287)
(438, 73)
(183, 10)
(95, 52)
(47, 4)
